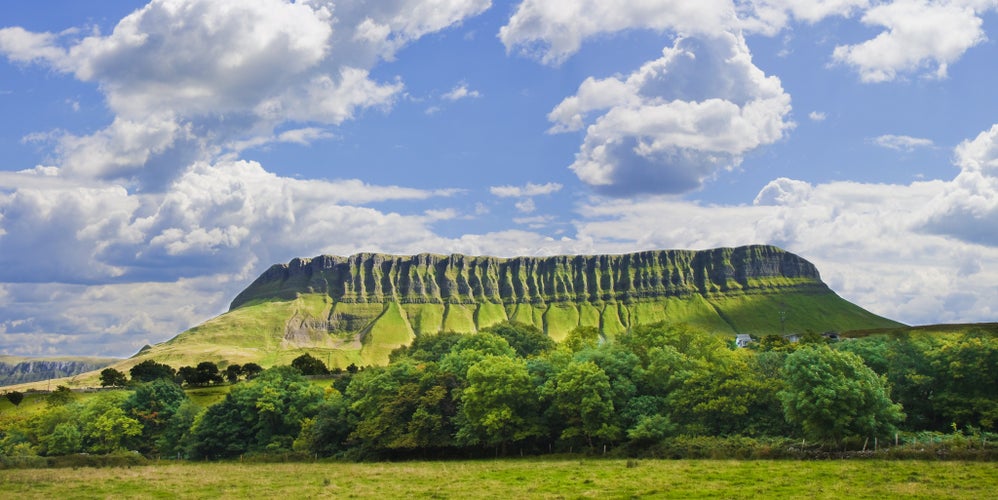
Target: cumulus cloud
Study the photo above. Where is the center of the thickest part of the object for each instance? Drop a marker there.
(921, 37)
(677, 120)
(967, 208)
(902, 142)
(817, 116)
(551, 31)
(189, 79)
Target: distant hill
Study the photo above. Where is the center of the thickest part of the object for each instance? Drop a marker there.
(19, 370)
(357, 309)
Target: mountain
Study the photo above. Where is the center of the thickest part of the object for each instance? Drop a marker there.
(357, 309)
(19, 370)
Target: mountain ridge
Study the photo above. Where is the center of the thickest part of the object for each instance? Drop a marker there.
(457, 278)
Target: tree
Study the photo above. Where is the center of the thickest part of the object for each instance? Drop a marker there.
(326, 433)
(251, 370)
(309, 365)
(582, 337)
(500, 404)
(832, 395)
(207, 373)
(427, 347)
(233, 372)
(149, 370)
(583, 399)
(154, 404)
(64, 440)
(526, 340)
(105, 425)
(966, 368)
(405, 405)
(109, 377)
(187, 375)
(15, 397)
(262, 415)
(61, 396)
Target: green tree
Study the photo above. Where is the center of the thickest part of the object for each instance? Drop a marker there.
(61, 396)
(832, 395)
(405, 405)
(154, 404)
(265, 414)
(427, 347)
(150, 370)
(309, 365)
(526, 340)
(109, 377)
(233, 372)
(500, 404)
(583, 399)
(582, 337)
(326, 434)
(65, 439)
(966, 369)
(176, 438)
(105, 425)
(251, 370)
(15, 397)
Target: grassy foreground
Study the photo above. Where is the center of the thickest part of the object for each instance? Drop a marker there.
(516, 478)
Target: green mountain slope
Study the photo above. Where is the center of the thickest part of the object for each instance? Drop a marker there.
(357, 309)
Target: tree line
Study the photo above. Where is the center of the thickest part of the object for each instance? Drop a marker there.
(510, 387)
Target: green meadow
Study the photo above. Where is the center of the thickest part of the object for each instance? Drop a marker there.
(515, 478)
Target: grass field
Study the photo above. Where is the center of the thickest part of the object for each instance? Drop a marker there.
(516, 478)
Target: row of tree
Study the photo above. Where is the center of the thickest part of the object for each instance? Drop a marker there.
(511, 386)
(204, 374)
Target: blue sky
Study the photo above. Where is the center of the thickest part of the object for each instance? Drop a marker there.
(159, 155)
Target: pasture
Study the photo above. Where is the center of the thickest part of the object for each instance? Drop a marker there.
(515, 478)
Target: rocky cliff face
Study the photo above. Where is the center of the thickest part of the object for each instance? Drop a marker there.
(460, 279)
(19, 370)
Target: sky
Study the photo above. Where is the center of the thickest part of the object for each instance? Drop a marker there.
(157, 157)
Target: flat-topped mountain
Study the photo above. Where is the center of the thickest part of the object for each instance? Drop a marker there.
(460, 279)
(357, 309)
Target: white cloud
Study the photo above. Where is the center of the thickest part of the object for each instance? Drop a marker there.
(921, 37)
(553, 30)
(968, 207)
(530, 189)
(902, 142)
(189, 79)
(817, 116)
(461, 91)
(769, 17)
(677, 120)
(980, 155)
